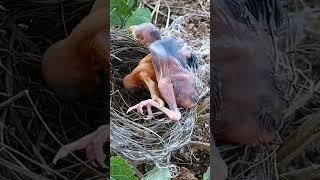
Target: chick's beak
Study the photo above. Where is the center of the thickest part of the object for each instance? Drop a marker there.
(133, 31)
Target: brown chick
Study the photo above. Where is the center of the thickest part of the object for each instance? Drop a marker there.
(175, 80)
(246, 104)
(144, 74)
(71, 66)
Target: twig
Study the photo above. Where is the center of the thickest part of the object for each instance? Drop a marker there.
(31, 160)
(156, 10)
(204, 13)
(304, 173)
(12, 99)
(3, 94)
(255, 164)
(63, 20)
(203, 106)
(26, 93)
(21, 170)
(306, 134)
(153, 8)
(6, 69)
(198, 145)
(138, 173)
(168, 16)
(2, 124)
(52, 134)
(16, 160)
(202, 7)
(276, 173)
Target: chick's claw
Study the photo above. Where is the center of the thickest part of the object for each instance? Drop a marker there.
(150, 114)
(173, 115)
(93, 143)
(146, 103)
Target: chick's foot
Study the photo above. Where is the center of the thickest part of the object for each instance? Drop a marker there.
(93, 143)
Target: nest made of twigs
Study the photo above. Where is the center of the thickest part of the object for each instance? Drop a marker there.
(133, 137)
(300, 93)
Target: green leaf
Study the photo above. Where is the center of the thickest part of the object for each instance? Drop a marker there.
(120, 7)
(131, 3)
(206, 175)
(158, 174)
(116, 20)
(119, 12)
(121, 170)
(139, 16)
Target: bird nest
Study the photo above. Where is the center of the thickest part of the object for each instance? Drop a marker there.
(133, 137)
(300, 93)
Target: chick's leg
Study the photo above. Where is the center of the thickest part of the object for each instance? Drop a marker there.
(93, 143)
(152, 86)
(131, 81)
(166, 90)
(151, 103)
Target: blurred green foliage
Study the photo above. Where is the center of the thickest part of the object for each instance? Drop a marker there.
(124, 13)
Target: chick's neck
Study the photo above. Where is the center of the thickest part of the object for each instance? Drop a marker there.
(153, 39)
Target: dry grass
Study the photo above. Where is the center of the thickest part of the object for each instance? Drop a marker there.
(296, 71)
